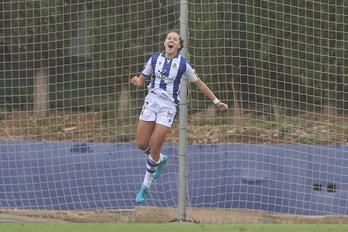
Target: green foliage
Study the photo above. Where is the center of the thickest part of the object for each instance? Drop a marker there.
(101, 103)
(292, 51)
(285, 128)
(313, 139)
(345, 129)
(294, 47)
(2, 113)
(114, 39)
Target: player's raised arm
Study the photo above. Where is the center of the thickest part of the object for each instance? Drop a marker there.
(210, 95)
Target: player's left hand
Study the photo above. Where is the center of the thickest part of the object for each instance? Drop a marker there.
(221, 106)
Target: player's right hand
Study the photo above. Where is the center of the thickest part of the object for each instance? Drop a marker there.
(134, 81)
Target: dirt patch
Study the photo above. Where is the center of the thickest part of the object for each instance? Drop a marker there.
(203, 128)
(165, 215)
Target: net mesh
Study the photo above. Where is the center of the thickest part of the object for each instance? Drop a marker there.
(68, 114)
(280, 66)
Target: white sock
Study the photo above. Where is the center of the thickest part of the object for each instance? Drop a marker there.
(148, 179)
(151, 167)
(161, 157)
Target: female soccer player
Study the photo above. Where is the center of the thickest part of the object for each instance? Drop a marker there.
(165, 71)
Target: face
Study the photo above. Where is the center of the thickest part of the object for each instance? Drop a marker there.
(172, 43)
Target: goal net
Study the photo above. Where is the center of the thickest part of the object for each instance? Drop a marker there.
(68, 114)
(282, 146)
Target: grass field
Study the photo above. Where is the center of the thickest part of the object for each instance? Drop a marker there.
(16, 227)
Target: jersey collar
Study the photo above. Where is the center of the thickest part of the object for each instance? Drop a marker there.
(175, 57)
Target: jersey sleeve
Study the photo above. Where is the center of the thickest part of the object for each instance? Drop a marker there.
(190, 73)
(147, 70)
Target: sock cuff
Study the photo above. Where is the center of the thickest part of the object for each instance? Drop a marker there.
(151, 162)
(147, 150)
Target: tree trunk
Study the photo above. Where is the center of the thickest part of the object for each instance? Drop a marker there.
(237, 109)
(276, 110)
(124, 109)
(41, 94)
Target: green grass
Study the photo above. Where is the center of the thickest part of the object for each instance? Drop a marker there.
(15, 227)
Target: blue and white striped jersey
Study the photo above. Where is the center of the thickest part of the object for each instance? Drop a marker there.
(166, 75)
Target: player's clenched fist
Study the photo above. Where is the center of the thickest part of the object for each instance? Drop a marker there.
(133, 80)
(137, 80)
(221, 106)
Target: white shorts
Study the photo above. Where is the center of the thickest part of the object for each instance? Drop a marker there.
(158, 109)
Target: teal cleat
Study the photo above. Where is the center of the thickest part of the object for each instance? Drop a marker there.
(160, 167)
(141, 195)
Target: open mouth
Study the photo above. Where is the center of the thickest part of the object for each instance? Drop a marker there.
(170, 46)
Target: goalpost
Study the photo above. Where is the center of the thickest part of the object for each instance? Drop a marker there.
(68, 114)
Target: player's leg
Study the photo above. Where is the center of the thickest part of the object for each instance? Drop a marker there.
(145, 130)
(143, 135)
(164, 121)
(157, 110)
(159, 136)
(151, 167)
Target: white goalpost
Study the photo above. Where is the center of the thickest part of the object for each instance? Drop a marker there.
(68, 114)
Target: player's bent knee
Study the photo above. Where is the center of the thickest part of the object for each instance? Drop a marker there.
(142, 146)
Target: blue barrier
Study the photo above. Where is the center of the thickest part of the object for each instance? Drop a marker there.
(297, 179)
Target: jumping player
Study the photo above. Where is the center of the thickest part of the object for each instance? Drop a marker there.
(164, 71)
